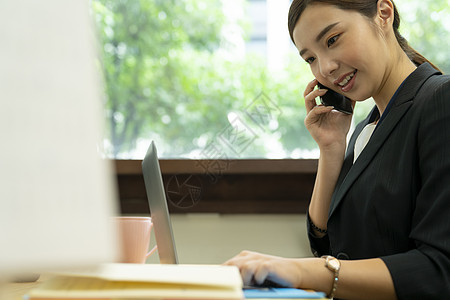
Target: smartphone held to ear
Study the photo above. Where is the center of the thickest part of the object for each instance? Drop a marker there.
(338, 101)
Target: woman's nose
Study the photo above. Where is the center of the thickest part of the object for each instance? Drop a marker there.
(327, 66)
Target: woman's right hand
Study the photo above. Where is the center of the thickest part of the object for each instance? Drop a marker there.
(327, 126)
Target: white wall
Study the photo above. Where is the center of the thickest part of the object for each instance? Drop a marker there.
(214, 238)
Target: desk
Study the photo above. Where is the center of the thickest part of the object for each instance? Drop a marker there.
(15, 291)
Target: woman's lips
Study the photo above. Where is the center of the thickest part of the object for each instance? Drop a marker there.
(349, 85)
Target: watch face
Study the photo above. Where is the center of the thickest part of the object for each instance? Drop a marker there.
(334, 263)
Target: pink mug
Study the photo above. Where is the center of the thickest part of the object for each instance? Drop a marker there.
(134, 238)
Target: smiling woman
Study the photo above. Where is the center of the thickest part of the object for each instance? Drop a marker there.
(378, 212)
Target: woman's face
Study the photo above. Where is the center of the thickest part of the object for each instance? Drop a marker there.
(345, 50)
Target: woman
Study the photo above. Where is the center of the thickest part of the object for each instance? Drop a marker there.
(381, 204)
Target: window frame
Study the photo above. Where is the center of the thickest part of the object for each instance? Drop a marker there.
(247, 186)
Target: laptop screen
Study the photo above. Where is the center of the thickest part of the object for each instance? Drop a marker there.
(158, 207)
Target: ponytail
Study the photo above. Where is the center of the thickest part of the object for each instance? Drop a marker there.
(413, 55)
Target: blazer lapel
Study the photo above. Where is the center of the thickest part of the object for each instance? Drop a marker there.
(402, 103)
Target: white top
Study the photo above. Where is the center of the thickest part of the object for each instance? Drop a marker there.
(363, 139)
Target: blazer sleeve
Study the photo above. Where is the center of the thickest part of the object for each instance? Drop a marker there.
(424, 273)
(319, 246)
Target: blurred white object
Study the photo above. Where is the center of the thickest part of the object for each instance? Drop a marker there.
(56, 192)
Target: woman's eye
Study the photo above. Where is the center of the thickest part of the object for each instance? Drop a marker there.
(310, 60)
(332, 40)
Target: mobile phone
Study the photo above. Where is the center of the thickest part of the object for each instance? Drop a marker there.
(338, 101)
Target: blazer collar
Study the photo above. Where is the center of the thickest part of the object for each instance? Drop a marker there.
(402, 102)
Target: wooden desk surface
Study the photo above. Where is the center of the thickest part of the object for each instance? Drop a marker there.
(16, 291)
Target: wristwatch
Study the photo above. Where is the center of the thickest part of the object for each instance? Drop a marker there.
(334, 265)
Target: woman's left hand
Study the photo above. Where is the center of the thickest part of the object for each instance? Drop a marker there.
(260, 269)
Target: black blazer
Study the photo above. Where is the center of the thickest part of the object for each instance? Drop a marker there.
(394, 201)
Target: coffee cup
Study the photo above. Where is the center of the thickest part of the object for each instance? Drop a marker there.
(134, 239)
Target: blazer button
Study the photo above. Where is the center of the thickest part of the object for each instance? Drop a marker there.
(343, 256)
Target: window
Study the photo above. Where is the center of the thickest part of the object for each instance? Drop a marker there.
(220, 79)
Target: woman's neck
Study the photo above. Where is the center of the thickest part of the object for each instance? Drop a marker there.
(398, 71)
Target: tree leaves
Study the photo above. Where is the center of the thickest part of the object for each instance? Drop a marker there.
(170, 76)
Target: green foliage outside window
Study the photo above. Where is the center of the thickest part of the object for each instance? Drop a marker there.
(168, 77)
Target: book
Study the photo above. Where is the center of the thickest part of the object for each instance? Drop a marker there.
(143, 281)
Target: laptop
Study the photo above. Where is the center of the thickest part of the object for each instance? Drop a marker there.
(165, 240)
(158, 207)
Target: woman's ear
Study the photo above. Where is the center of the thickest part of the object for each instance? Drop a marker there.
(385, 14)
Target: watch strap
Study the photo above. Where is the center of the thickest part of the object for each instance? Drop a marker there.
(334, 265)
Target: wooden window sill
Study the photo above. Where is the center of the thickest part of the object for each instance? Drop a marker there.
(222, 186)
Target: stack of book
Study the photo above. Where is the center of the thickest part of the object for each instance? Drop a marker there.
(143, 281)
(155, 281)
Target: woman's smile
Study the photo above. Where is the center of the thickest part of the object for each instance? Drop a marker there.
(346, 82)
